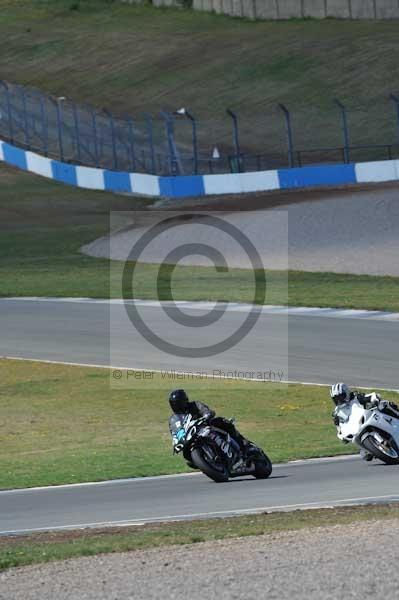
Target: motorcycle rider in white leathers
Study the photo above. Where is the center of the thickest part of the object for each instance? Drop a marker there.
(341, 394)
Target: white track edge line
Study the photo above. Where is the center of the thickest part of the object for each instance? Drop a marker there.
(187, 373)
(192, 516)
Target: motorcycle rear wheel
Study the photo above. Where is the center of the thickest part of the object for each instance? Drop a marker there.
(219, 474)
(378, 451)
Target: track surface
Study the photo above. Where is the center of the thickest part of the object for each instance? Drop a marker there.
(364, 352)
(297, 485)
(306, 349)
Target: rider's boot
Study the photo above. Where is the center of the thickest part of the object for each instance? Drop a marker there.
(366, 455)
(249, 449)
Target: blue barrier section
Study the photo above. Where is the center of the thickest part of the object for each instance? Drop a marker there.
(117, 182)
(176, 187)
(63, 172)
(310, 176)
(15, 156)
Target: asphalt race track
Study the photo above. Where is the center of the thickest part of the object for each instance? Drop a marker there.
(306, 349)
(303, 348)
(304, 484)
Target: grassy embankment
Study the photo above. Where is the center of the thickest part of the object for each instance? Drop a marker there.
(139, 58)
(43, 224)
(104, 53)
(46, 547)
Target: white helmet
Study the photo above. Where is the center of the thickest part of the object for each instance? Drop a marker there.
(340, 393)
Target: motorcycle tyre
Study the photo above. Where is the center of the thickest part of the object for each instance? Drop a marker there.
(263, 467)
(214, 474)
(371, 447)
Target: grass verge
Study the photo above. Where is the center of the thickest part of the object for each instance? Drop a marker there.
(43, 225)
(46, 547)
(65, 424)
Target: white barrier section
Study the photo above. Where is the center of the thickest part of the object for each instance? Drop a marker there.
(222, 184)
(38, 164)
(238, 183)
(370, 172)
(90, 178)
(144, 184)
(259, 181)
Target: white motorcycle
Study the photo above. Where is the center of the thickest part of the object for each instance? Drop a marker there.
(370, 429)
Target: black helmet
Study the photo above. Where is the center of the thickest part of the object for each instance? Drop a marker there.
(178, 401)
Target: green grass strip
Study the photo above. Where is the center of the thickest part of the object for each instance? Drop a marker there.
(46, 547)
(65, 424)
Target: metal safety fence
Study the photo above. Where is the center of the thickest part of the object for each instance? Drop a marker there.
(179, 143)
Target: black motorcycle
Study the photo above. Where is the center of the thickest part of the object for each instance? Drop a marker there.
(215, 453)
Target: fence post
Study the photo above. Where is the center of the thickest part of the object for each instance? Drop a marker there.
(43, 117)
(130, 128)
(58, 112)
(395, 99)
(113, 137)
(150, 133)
(287, 116)
(25, 115)
(77, 131)
(345, 128)
(95, 140)
(195, 142)
(236, 137)
(175, 163)
(170, 146)
(8, 100)
(183, 112)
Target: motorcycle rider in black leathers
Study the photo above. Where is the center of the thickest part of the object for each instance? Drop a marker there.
(181, 405)
(341, 394)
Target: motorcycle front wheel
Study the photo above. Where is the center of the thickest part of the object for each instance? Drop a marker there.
(263, 467)
(386, 450)
(217, 472)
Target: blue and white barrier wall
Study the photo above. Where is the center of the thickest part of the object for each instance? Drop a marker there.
(199, 185)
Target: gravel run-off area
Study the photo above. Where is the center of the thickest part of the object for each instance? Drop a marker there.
(357, 561)
(354, 232)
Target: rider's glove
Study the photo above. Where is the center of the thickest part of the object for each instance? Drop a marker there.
(374, 399)
(382, 404)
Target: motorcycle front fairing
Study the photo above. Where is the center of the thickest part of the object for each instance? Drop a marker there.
(351, 417)
(176, 427)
